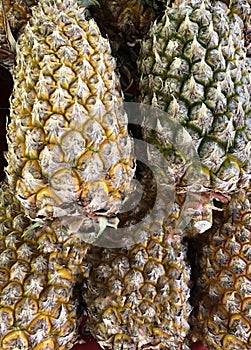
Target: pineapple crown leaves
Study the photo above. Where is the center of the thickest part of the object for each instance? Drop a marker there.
(32, 227)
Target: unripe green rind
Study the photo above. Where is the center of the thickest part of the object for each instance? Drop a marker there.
(193, 66)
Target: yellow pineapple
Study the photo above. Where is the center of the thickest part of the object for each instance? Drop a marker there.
(40, 299)
(222, 291)
(69, 148)
(137, 296)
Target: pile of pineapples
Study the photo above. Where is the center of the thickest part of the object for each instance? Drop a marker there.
(70, 156)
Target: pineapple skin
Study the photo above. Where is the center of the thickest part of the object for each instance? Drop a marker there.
(137, 299)
(137, 296)
(241, 10)
(67, 139)
(222, 293)
(201, 81)
(40, 300)
(193, 66)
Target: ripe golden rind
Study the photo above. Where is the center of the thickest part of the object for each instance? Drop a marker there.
(39, 300)
(66, 94)
(222, 293)
(137, 297)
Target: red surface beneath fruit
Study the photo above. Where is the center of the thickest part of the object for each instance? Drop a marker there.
(91, 344)
(198, 346)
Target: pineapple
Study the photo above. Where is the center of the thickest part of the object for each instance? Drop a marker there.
(40, 300)
(222, 293)
(69, 152)
(17, 14)
(137, 296)
(193, 66)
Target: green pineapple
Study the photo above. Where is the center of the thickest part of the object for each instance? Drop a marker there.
(193, 66)
(241, 10)
(69, 148)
